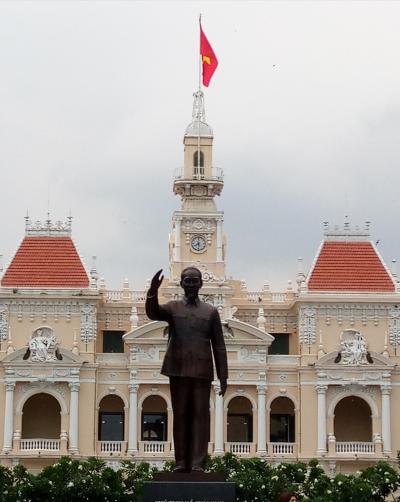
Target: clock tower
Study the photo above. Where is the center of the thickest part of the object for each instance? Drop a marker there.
(197, 227)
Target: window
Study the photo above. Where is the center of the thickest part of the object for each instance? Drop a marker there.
(240, 427)
(111, 426)
(154, 426)
(280, 346)
(196, 162)
(282, 428)
(112, 341)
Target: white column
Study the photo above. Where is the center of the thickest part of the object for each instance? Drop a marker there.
(219, 240)
(177, 240)
(321, 390)
(8, 417)
(73, 417)
(219, 422)
(386, 429)
(133, 413)
(261, 430)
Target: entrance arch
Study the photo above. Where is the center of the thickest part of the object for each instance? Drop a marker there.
(240, 420)
(352, 420)
(41, 417)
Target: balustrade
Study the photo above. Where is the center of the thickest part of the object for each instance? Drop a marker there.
(355, 447)
(240, 448)
(112, 446)
(39, 444)
(281, 448)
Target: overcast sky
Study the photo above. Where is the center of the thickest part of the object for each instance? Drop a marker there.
(305, 106)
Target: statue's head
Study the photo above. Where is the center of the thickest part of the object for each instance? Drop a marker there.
(191, 282)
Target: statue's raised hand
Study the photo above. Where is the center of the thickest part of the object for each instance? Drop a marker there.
(156, 282)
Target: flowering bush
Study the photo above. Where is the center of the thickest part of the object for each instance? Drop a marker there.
(255, 479)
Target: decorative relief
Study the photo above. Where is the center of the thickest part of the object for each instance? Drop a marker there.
(352, 389)
(3, 321)
(88, 323)
(139, 354)
(307, 325)
(247, 354)
(394, 326)
(353, 348)
(43, 346)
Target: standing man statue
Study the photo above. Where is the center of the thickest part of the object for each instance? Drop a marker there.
(194, 328)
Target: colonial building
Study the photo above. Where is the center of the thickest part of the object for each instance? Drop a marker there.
(313, 370)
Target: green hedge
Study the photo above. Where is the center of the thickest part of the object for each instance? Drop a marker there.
(256, 480)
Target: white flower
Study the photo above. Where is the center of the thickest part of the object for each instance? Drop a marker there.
(274, 478)
(339, 483)
(241, 486)
(263, 487)
(80, 467)
(70, 484)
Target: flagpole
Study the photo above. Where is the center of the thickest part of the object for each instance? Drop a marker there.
(198, 111)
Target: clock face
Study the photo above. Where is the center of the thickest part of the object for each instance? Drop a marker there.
(198, 243)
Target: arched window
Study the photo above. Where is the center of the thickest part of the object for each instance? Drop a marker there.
(154, 419)
(198, 164)
(240, 420)
(111, 419)
(282, 421)
(196, 161)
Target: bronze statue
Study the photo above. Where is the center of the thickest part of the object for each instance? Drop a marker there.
(194, 328)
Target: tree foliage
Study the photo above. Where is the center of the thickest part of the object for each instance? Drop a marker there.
(256, 480)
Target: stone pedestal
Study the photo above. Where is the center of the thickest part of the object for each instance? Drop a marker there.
(199, 487)
(188, 491)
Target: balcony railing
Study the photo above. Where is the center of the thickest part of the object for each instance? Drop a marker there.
(199, 173)
(240, 449)
(354, 447)
(282, 449)
(154, 448)
(112, 447)
(120, 295)
(39, 444)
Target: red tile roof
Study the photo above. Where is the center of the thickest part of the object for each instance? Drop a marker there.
(349, 266)
(46, 262)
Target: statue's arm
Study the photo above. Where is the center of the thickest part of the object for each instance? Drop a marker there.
(219, 349)
(154, 310)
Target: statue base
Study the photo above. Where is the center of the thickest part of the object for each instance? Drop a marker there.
(188, 487)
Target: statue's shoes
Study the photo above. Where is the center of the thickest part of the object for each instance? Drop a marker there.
(197, 468)
(180, 469)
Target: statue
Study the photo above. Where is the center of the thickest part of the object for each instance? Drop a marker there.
(353, 349)
(43, 346)
(194, 329)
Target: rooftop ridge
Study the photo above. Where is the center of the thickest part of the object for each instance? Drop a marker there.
(48, 228)
(347, 232)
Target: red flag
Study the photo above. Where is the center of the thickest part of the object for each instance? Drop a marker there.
(208, 58)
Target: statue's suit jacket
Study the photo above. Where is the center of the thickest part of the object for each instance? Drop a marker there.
(194, 328)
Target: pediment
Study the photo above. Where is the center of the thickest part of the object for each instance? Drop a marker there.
(151, 331)
(235, 331)
(244, 332)
(68, 359)
(329, 361)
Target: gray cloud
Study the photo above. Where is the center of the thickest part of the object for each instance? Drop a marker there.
(95, 97)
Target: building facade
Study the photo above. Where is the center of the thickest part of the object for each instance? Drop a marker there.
(313, 370)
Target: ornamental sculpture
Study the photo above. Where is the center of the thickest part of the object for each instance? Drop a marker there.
(353, 349)
(43, 346)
